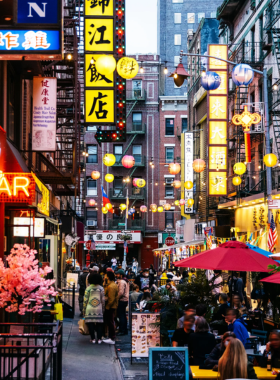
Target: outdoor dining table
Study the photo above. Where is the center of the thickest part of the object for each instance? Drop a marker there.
(262, 373)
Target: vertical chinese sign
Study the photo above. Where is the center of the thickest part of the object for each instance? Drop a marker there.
(105, 95)
(187, 171)
(217, 124)
(44, 114)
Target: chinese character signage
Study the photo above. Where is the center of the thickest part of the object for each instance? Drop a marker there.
(217, 124)
(44, 114)
(188, 170)
(26, 41)
(17, 188)
(43, 204)
(115, 237)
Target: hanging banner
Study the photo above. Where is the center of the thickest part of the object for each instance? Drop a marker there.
(188, 170)
(44, 114)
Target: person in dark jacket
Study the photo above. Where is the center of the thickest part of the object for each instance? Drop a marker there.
(237, 325)
(82, 288)
(272, 346)
(144, 279)
(221, 313)
(236, 285)
(181, 337)
(201, 342)
(212, 360)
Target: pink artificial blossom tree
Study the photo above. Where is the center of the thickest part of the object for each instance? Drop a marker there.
(23, 281)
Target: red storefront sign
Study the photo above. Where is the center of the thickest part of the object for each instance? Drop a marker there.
(88, 244)
(17, 188)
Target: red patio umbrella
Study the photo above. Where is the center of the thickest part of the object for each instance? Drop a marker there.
(232, 255)
(274, 278)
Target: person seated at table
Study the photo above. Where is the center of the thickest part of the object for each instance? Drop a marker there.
(134, 295)
(221, 313)
(234, 363)
(181, 336)
(238, 305)
(189, 310)
(272, 346)
(236, 325)
(143, 304)
(201, 342)
(212, 360)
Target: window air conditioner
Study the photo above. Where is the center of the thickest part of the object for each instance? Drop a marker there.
(92, 223)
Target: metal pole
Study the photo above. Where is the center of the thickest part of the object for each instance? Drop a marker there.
(124, 248)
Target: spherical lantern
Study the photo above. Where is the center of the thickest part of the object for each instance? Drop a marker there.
(109, 177)
(134, 182)
(108, 206)
(109, 159)
(128, 161)
(242, 74)
(154, 210)
(131, 211)
(210, 80)
(143, 208)
(153, 206)
(105, 64)
(174, 168)
(160, 209)
(91, 202)
(182, 202)
(188, 185)
(95, 174)
(190, 202)
(199, 165)
(177, 184)
(140, 182)
(127, 68)
(239, 168)
(167, 206)
(177, 203)
(122, 206)
(236, 181)
(104, 210)
(270, 160)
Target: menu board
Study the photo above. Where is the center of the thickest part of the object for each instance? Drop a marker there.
(168, 363)
(144, 333)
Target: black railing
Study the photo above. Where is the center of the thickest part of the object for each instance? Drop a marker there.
(67, 296)
(248, 52)
(132, 224)
(136, 128)
(134, 193)
(138, 94)
(31, 354)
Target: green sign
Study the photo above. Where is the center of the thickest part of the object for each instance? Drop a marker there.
(121, 224)
(165, 235)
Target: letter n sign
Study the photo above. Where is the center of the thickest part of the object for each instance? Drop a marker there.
(37, 11)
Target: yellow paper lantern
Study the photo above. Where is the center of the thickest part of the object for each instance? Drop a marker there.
(188, 185)
(109, 159)
(127, 67)
(104, 210)
(177, 203)
(160, 209)
(270, 160)
(190, 202)
(108, 206)
(236, 181)
(122, 206)
(239, 168)
(105, 64)
(154, 210)
(177, 184)
(199, 165)
(109, 177)
(95, 174)
(140, 182)
(153, 206)
(167, 206)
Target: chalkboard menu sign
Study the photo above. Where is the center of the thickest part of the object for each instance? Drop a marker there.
(168, 363)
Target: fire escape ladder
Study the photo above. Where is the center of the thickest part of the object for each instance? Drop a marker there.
(276, 130)
(131, 109)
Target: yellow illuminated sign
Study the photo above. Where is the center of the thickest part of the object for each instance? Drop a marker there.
(99, 35)
(218, 107)
(217, 183)
(44, 206)
(100, 107)
(218, 157)
(99, 8)
(217, 132)
(92, 77)
(223, 88)
(219, 51)
(246, 119)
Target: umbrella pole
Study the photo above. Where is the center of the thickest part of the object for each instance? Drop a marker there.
(231, 290)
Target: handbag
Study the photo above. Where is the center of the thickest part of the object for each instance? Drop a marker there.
(83, 327)
(59, 309)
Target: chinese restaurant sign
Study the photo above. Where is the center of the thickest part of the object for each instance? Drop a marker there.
(43, 205)
(17, 188)
(217, 124)
(115, 237)
(104, 94)
(188, 169)
(44, 114)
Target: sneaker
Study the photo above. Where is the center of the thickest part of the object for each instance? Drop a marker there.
(99, 341)
(93, 341)
(109, 341)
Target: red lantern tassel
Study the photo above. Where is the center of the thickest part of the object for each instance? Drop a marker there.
(247, 146)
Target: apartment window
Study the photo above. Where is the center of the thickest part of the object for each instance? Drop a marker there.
(177, 39)
(137, 153)
(176, 60)
(169, 154)
(137, 118)
(169, 189)
(213, 14)
(169, 127)
(137, 89)
(91, 187)
(200, 16)
(91, 214)
(184, 124)
(118, 152)
(177, 18)
(177, 1)
(118, 186)
(169, 220)
(191, 18)
(92, 128)
(92, 154)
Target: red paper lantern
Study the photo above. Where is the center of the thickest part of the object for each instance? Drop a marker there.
(91, 202)
(143, 208)
(177, 184)
(95, 174)
(199, 165)
(128, 161)
(134, 182)
(182, 202)
(174, 168)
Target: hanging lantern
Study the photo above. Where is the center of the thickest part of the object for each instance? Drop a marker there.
(109, 177)
(154, 210)
(153, 206)
(127, 68)
(167, 207)
(239, 168)
(199, 165)
(134, 182)
(108, 206)
(270, 160)
(190, 202)
(122, 206)
(105, 64)
(210, 80)
(177, 203)
(182, 202)
(128, 161)
(174, 168)
(95, 174)
(143, 208)
(131, 211)
(91, 202)
(109, 159)
(236, 181)
(140, 182)
(188, 185)
(104, 210)
(242, 74)
(177, 184)
(160, 209)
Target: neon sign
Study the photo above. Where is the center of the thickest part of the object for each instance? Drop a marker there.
(17, 188)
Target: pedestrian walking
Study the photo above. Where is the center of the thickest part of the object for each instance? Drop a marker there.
(134, 266)
(123, 296)
(94, 307)
(111, 305)
(114, 263)
(82, 289)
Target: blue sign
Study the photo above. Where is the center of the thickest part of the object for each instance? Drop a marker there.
(168, 363)
(29, 40)
(37, 11)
